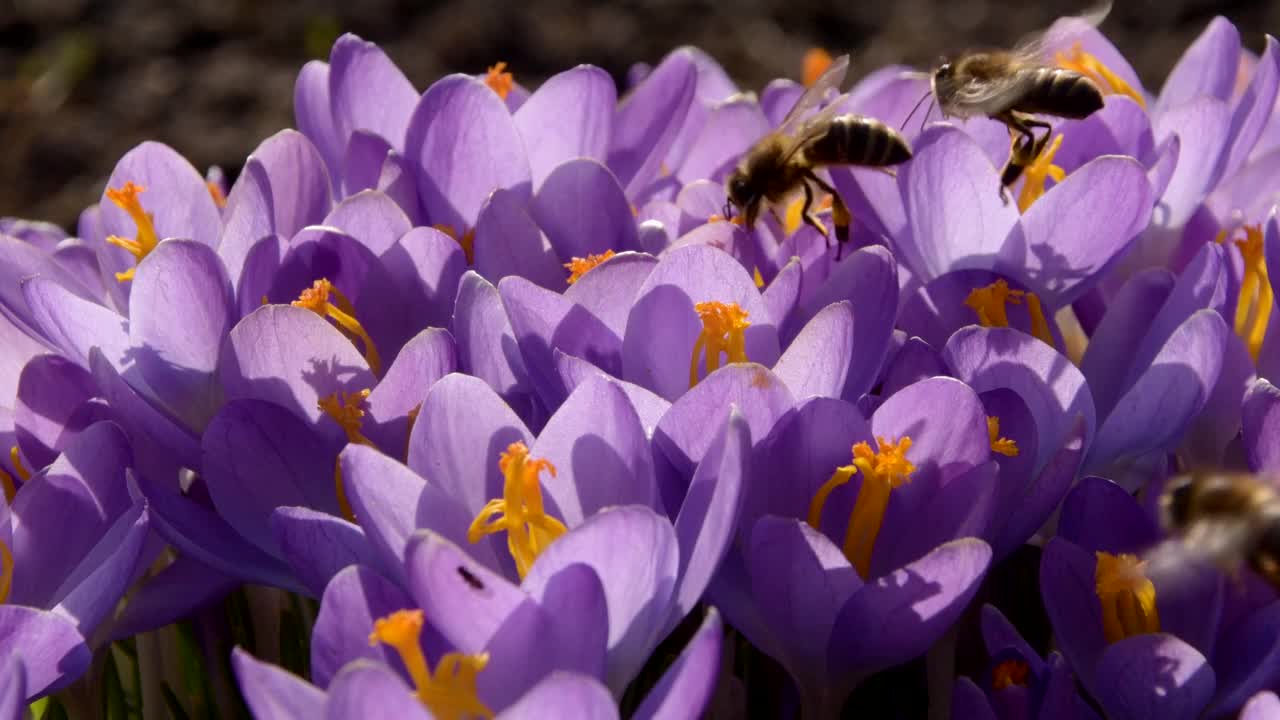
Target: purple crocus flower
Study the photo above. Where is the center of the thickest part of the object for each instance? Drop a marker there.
(1186, 645)
(364, 688)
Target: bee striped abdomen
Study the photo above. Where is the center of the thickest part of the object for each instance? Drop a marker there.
(1064, 93)
(857, 140)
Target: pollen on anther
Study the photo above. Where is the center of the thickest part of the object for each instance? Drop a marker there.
(499, 80)
(1009, 672)
(578, 266)
(816, 61)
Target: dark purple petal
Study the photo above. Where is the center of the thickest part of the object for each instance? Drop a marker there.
(93, 589)
(368, 91)
(569, 116)
(425, 359)
(648, 120)
(362, 165)
(575, 602)
(898, 616)
(1067, 587)
(815, 363)
(1153, 676)
(1100, 515)
(508, 242)
(610, 288)
(183, 587)
(583, 211)
(13, 688)
(969, 703)
(158, 440)
(999, 634)
(365, 689)
(50, 649)
(1263, 706)
(686, 687)
(397, 182)
(319, 252)
(1113, 342)
(465, 145)
(318, 545)
(1261, 426)
(180, 310)
(916, 361)
(600, 450)
(352, 601)
(273, 692)
(258, 272)
(963, 507)
(1269, 355)
(257, 457)
(1207, 67)
(1042, 494)
(426, 267)
(51, 389)
(1247, 659)
(1219, 422)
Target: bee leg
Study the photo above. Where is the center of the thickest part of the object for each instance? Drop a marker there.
(807, 214)
(840, 215)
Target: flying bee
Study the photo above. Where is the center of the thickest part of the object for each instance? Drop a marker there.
(783, 162)
(1226, 518)
(1011, 86)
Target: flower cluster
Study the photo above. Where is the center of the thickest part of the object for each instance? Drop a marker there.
(488, 374)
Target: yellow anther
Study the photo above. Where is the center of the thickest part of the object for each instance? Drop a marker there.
(499, 80)
(816, 62)
(7, 486)
(467, 242)
(989, 303)
(1040, 169)
(1108, 82)
(717, 217)
(1127, 596)
(215, 192)
(16, 458)
(349, 414)
(519, 511)
(146, 240)
(724, 327)
(450, 692)
(757, 278)
(1257, 297)
(882, 471)
(6, 571)
(325, 300)
(1001, 445)
(578, 267)
(1009, 672)
(408, 433)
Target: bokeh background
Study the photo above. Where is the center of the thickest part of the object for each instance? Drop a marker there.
(82, 81)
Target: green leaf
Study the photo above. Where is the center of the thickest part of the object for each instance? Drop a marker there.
(114, 705)
(176, 711)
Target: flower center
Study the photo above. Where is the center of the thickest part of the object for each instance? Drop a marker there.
(1253, 309)
(724, 327)
(1001, 445)
(348, 412)
(467, 242)
(816, 62)
(882, 471)
(578, 267)
(325, 300)
(499, 80)
(1128, 598)
(146, 240)
(519, 511)
(1009, 672)
(450, 692)
(989, 304)
(1086, 64)
(6, 571)
(1040, 169)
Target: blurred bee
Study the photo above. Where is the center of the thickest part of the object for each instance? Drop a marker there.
(784, 161)
(1226, 518)
(1012, 85)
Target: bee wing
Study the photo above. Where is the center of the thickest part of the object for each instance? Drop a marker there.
(998, 91)
(815, 93)
(1031, 48)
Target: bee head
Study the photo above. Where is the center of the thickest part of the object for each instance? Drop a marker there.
(1175, 503)
(740, 189)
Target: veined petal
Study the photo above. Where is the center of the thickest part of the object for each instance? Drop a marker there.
(352, 601)
(313, 113)
(51, 391)
(298, 179)
(273, 692)
(1207, 67)
(509, 242)
(1261, 426)
(568, 116)
(1154, 675)
(687, 685)
(52, 652)
(583, 210)
(318, 545)
(648, 120)
(368, 91)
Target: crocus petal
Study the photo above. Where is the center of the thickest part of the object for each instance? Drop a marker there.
(319, 252)
(968, 702)
(183, 587)
(648, 120)
(543, 322)
(1200, 125)
(915, 361)
(1113, 342)
(1067, 587)
(708, 519)
(50, 391)
(180, 310)
(51, 651)
(651, 408)
(636, 555)
(318, 545)
(583, 210)
(1039, 497)
(800, 580)
(812, 365)
(94, 588)
(687, 685)
(426, 266)
(367, 689)
(944, 448)
(368, 91)
(313, 112)
(1100, 515)
(250, 441)
(778, 97)
(249, 217)
(999, 634)
(1262, 706)
(958, 219)
(963, 507)
(600, 450)
(298, 180)
(75, 325)
(175, 196)
(1158, 407)
(13, 689)
(370, 217)
(1261, 425)
(353, 600)
(730, 130)
(898, 616)
(609, 290)
(569, 116)
(425, 359)
(1219, 422)
(292, 357)
(1121, 127)
(563, 694)
(1066, 249)
(1207, 67)
(258, 272)
(485, 338)
(508, 242)
(466, 145)
(1149, 676)
(362, 164)
(461, 429)
(575, 602)
(273, 692)
(1247, 659)
(1250, 112)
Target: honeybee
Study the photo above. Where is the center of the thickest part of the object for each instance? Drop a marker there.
(1226, 518)
(784, 161)
(1013, 85)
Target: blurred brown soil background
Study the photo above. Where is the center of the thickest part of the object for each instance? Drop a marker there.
(82, 81)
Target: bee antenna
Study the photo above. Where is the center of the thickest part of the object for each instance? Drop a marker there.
(727, 210)
(925, 117)
(919, 102)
